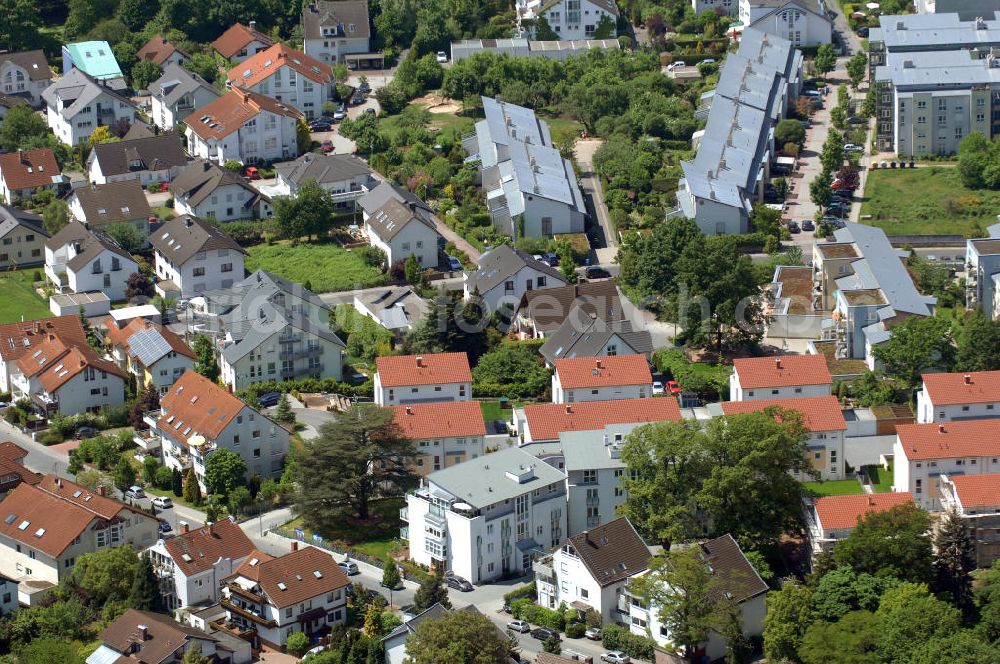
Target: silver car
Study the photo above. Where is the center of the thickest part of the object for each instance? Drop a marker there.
(520, 626)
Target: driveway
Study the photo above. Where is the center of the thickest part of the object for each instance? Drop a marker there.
(584, 150)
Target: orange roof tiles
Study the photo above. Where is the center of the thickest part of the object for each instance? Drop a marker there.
(430, 369)
(120, 336)
(947, 389)
(977, 490)
(440, 420)
(205, 546)
(238, 37)
(840, 512)
(547, 420)
(262, 65)
(306, 573)
(55, 363)
(26, 169)
(157, 50)
(197, 406)
(19, 339)
(580, 372)
(818, 413)
(226, 114)
(782, 371)
(971, 438)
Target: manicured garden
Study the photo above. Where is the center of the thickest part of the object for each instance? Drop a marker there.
(18, 298)
(375, 539)
(833, 488)
(881, 478)
(321, 267)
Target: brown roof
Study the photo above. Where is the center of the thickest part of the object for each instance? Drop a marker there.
(55, 362)
(263, 64)
(583, 372)
(298, 576)
(157, 50)
(987, 246)
(205, 546)
(947, 389)
(119, 336)
(818, 413)
(840, 512)
(440, 420)
(183, 237)
(612, 551)
(975, 491)
(387, 221)
(429, 369)
(738, 577)
(838, 250)
(25, 169)
(549, 307)
(547, 420)
(199, 180)
(113, 202)
(18, 339)
(970, 438)
(12, 463)
(197, 406)
(221, 117)
(236, 38)
(33, 62)
(340, 14)
(782, 371)
(13, 451)
(164, 637)
(155, 153)
(106, 508)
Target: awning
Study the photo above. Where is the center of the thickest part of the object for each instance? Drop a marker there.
(312, 614)
(358, 57)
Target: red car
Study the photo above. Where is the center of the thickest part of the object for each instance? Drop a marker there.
(327, 146)
(673, 387)
(252, 173)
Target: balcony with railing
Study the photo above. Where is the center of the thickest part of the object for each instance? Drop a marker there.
(246, 611)
(147, 440)
(301, 371)
(593, 521)
(404, 514)
(312, 351)
(543, 567)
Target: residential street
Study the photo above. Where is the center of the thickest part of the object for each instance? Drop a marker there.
(592, 191)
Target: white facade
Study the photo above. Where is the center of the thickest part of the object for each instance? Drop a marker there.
(227, 203)
(927, 411)
(293, 89)
(207, 270)
(201, 588)
(728, 8)
(595, 475)
(15, 79)
(982, 265)
(394, 396)
(509, 292)
(107, 272)
(792, 21)
(416, 238)
(265, 137)
(288, 353)
(104, 110)
(739, 393)
(87, 392)
(922, 477)
(570, 19)
(602, 393)
(8, 596)
(332, 49)
(167, 115)
(144, 177)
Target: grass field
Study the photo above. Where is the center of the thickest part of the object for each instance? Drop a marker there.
(493, 411)
(18, 299)
(929, 200)
(834, 488)
(327, 267)
(563, 129)
(881, 479)
(375, 540)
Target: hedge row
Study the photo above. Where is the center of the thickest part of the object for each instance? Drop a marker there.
(252, 393)
(526, 609)
(616, 637)
(521, 592)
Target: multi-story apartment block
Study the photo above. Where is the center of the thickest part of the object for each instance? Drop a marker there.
(177, 94)
(915, 33)
(78, 260)
(545, 422)
(595, 474)
(830, 519)
(486, 518)
(206, 190)
(601, 379)
(982, 273)
(150, 159)
(25, 74)
(504, 275)
(434, 377)
(243, 126)
(782, 377)
(952, 397)
(531, 48)
(569, 19)
(592, 569)
(22, 239)
(77, 104)
(337, 31)
(301, 591)
(288, 76)
(445, 433)
(154, 355)
(976, 498)
(240, 42)
(924, 452)
(197, 417)
(193, 564)
(192, 256)
(802, 22)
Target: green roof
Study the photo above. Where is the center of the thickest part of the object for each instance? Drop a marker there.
(94, 58)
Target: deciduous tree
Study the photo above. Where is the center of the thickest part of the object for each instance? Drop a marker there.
(55, 216)
(894, 542)
(224, 471)
(978, 343)
(826, 59)
(857, 67)
(205, 362)
(431, 591)
(917, 344)
(789, 614)
(460, 637)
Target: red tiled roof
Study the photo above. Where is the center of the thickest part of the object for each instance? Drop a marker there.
(818, 413)
(782, 371)
(581, 372)
(261, 66)
(55, 363)
(977, 490)
(971, 438)
(306, 573)
(12, 451)
(204, 546)
(228, 113)
(25, 169)
(547, 420)
(947, 389)
(236, 38)
(195, 405)
(840, 512)
(440, 420)
(12, 463)
(19, 339)
(430, 369)
(119, 336)
(157, 50)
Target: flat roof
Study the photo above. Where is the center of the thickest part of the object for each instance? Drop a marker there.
(142, 310)
(865, 296)
(68, 299)
(837, 250)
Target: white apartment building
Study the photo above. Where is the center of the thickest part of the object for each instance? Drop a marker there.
(78, 260)
(595, 475)
(952, 397)
(782, 377)
(601, 379)
(410, 379)
(198, 417)
(445, 433)
(400, 232)
(77, 104)
(592, 569)
(802, 22)
(830, 519)
(487, 517)
(243, 126)
(192, 256)
(288, 76)
(924, 452)
(206, 190)
(976, 498)
(193, 564)
(177, 94)
(25, 74)
(570, 19)
(982, 267)
(504, 275)
(332, 31)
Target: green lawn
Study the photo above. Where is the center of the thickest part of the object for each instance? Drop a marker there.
(881, 479)
(327, 267)
(564, 129)
(493, 411)
(178, 500)
(375, 540)
(18, 299)
(834, 488)
(928, 200)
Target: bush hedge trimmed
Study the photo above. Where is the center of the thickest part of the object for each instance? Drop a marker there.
(616, 637)
(525, 609)
(521, 592)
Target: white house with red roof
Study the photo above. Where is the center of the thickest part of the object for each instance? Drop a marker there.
(544, 422)
(240, 42)
(302, 591)
(445, 433)
(20, 339)
(924, 452)
(824, 419)
(288, 75)
(409, 379)
(24, 173)
(193, 564)
(832, 518)
(154, 354)
(198, 417)
(581, 379)
(950, 397)
(243, 126)
(780, 377)
(976, 498)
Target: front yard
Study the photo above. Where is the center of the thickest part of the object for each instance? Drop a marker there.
(18, 298)
(881, 478)
(324, 267)
(375, 540)
(833, 488)
(927, 200)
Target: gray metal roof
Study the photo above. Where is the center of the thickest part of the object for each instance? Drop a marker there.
(501, 263)
(78, 90)
(583, 335)
(509, 123)
(937, 70)
(586, 450)
(387, 191)
(11, 218)
(540, 170)
(926, 32)
(435, 612)
(324, 169)
(176, 82)
(485, 481)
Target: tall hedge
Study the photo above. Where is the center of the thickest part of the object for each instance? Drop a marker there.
(616, 637)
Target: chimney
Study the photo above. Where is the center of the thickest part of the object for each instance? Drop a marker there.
(940, 428)
(205, 165)
(409, 411)
(59, 482)
(184, 527)
(38, 328)
(102, 491)
(253, 25)
(598, 363)
(295, 545)
(420, 360)
(21, 158)
(569, 409)
(188, 222)
(777, 362)
(871, 500)
(143, 632)
(968, 379)
(211, 528)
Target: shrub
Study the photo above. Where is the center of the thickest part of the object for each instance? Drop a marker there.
(575, 630)
(49, 438)
(525, 609)
(526, 591)
(297, 644)
(616, 637)
(164, 478)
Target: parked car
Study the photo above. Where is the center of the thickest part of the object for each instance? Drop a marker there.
(657, 387)
(269, 399)
(857, 120)
(793, 227)
(597, 273)
(252, 173)
(163, 502)
(364, 88)
(812, 93)
(320, 125)
(808, 225)
(544, 633)
(519, 626)
(369, 111)
(593, 633)
(454, 264)
(357, 98)
(327, 146)
(165, 527)
(676, 65)
(707, 61)
(340, 113)
(86, 432)
(442, 57)
(350, 567)
(616, 657)
(458, 583)
(863, 32)
(853, 147)
(673, 388)
(135, 491)
(312, 652)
